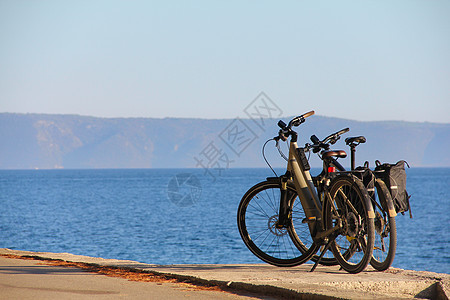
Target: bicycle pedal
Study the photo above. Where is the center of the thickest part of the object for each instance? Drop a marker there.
(309, 220)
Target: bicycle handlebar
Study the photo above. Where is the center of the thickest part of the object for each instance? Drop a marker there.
(326, 142)
(286, 130)
(333, 138)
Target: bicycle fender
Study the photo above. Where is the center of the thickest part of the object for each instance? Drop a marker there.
(367, 201)
(278, 180)
(273, 179)
(387, 199)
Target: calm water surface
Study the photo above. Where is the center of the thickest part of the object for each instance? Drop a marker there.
(149, 216)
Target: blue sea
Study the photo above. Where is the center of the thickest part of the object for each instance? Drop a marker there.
(182, 216)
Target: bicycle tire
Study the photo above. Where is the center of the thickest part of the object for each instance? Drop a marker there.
(257, 215)
(385, 229)
(353, 247)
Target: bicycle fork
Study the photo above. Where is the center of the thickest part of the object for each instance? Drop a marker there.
(283, 215)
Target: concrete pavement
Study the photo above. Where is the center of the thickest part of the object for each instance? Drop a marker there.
(262, 280)
(36, 279)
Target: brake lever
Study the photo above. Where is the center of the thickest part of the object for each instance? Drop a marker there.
(333, 140)
(314, 148)
(298, 120)
(282, 136)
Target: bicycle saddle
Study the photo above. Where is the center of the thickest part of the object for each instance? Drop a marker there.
(334, 153)
(355, 139)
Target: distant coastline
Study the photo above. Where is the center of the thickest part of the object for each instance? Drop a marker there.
(46, 141)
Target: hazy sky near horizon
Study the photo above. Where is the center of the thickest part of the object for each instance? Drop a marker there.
(361, 60)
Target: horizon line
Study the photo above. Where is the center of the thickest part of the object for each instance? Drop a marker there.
(210, 119)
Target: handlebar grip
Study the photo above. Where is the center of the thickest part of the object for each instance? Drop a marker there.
(343, 131)
(308, 114)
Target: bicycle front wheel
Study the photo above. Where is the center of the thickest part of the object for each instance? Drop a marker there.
(385, 228)
(353, 247)
(257, 223)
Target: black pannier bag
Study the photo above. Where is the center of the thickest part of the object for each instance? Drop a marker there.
(394, 176)
(367, 177)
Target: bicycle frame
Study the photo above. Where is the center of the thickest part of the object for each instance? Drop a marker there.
(303, 183)
(298, 172)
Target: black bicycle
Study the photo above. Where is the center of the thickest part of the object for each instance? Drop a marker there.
(286, 219)
(385, 227)
(385, 213)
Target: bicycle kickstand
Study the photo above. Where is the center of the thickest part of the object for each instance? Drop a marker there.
(323, 252)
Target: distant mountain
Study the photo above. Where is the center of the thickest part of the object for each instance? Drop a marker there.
(29, 141)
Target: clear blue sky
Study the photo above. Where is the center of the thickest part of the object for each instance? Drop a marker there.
(362, 60)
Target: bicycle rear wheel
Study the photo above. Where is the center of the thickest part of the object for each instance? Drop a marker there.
(257, 220)
(385, 229)
(353, 247)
